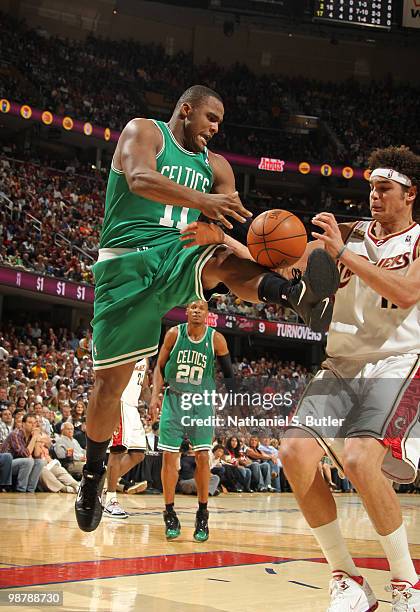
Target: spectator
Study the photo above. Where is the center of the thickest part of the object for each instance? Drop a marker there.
(21, 403)
(65, 413)
(38, 411)
(54, 477)
(85, 345)
(228, 474)
(18, 419)
(151, 466)
(4, 402)
(266, 448)
(237, 457)
(262, 475)
(69, 451)
(22, 445)
(39, 370)
(6, 424)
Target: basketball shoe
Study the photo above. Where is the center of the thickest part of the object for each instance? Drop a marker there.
(310, 293)
(172, 525)
(114, 510)
(201, 532)
(351, 594)
(137, 487)
(405, 596)
(88, 506)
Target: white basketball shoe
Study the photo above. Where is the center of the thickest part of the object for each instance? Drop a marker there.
(405, 596)
(114, 510)
(351, 594)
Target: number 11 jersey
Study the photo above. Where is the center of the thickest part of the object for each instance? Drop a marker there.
(132, 221)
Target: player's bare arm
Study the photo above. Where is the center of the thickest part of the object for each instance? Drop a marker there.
(199, 233)
(403, 291)
(158, 378)
(135, 155)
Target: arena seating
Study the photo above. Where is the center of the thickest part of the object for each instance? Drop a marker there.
(109, 82)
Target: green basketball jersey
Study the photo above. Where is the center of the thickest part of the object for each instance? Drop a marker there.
(132, 221)
(190, 367)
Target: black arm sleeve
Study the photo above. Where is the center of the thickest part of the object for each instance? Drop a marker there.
(227, 369)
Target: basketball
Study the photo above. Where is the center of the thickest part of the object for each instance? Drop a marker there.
(277, 238)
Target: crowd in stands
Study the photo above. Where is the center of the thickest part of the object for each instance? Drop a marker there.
(46, 377)
(108, 82)
(45, 380)
(50, 221)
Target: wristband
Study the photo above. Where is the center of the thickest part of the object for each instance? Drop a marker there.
(341, 251)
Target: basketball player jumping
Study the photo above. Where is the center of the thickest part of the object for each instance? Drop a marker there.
(186, 363)
(371, 380)
(128, 443)
(162, 177)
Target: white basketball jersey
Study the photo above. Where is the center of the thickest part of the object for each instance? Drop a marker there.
(364, 323)
(131, 393)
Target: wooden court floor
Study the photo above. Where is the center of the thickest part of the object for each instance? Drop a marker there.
(260, 555)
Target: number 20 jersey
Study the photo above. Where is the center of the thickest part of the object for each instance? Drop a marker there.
(134, 222)
(364, 323)
(190, 367)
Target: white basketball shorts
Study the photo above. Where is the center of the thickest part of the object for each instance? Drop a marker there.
(379, 399)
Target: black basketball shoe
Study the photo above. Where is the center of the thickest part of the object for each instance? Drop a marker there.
(88, 504)
(311, 293)
(172, 525)
(201, 532)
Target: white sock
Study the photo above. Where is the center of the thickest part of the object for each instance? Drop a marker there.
(396, 549)
(334, 548)
(109, 496)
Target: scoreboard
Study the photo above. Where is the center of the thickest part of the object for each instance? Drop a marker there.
(373, 13)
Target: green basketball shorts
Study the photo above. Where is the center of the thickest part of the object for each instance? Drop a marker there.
(178, 422)
(134, 290)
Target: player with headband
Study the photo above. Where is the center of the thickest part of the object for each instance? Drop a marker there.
(370, 382)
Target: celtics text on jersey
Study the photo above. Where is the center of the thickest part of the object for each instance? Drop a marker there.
(190, 367)
(132, 221)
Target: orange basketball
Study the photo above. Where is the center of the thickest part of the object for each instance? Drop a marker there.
(277, 238)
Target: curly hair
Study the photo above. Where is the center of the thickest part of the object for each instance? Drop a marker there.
(401, 159)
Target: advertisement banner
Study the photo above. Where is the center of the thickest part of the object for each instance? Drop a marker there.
(59, 288)
(411, 14)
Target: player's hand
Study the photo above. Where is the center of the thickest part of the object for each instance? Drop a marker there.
(332, 236)
(154, 409)
(200, 234)
(218, 206)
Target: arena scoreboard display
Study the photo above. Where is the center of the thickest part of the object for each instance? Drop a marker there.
(371, 13)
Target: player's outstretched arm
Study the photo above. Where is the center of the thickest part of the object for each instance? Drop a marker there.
(135, 155)
(403, 291)
(158, 372)
(199, 233)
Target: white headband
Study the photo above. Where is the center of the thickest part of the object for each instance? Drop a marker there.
(392, 175)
